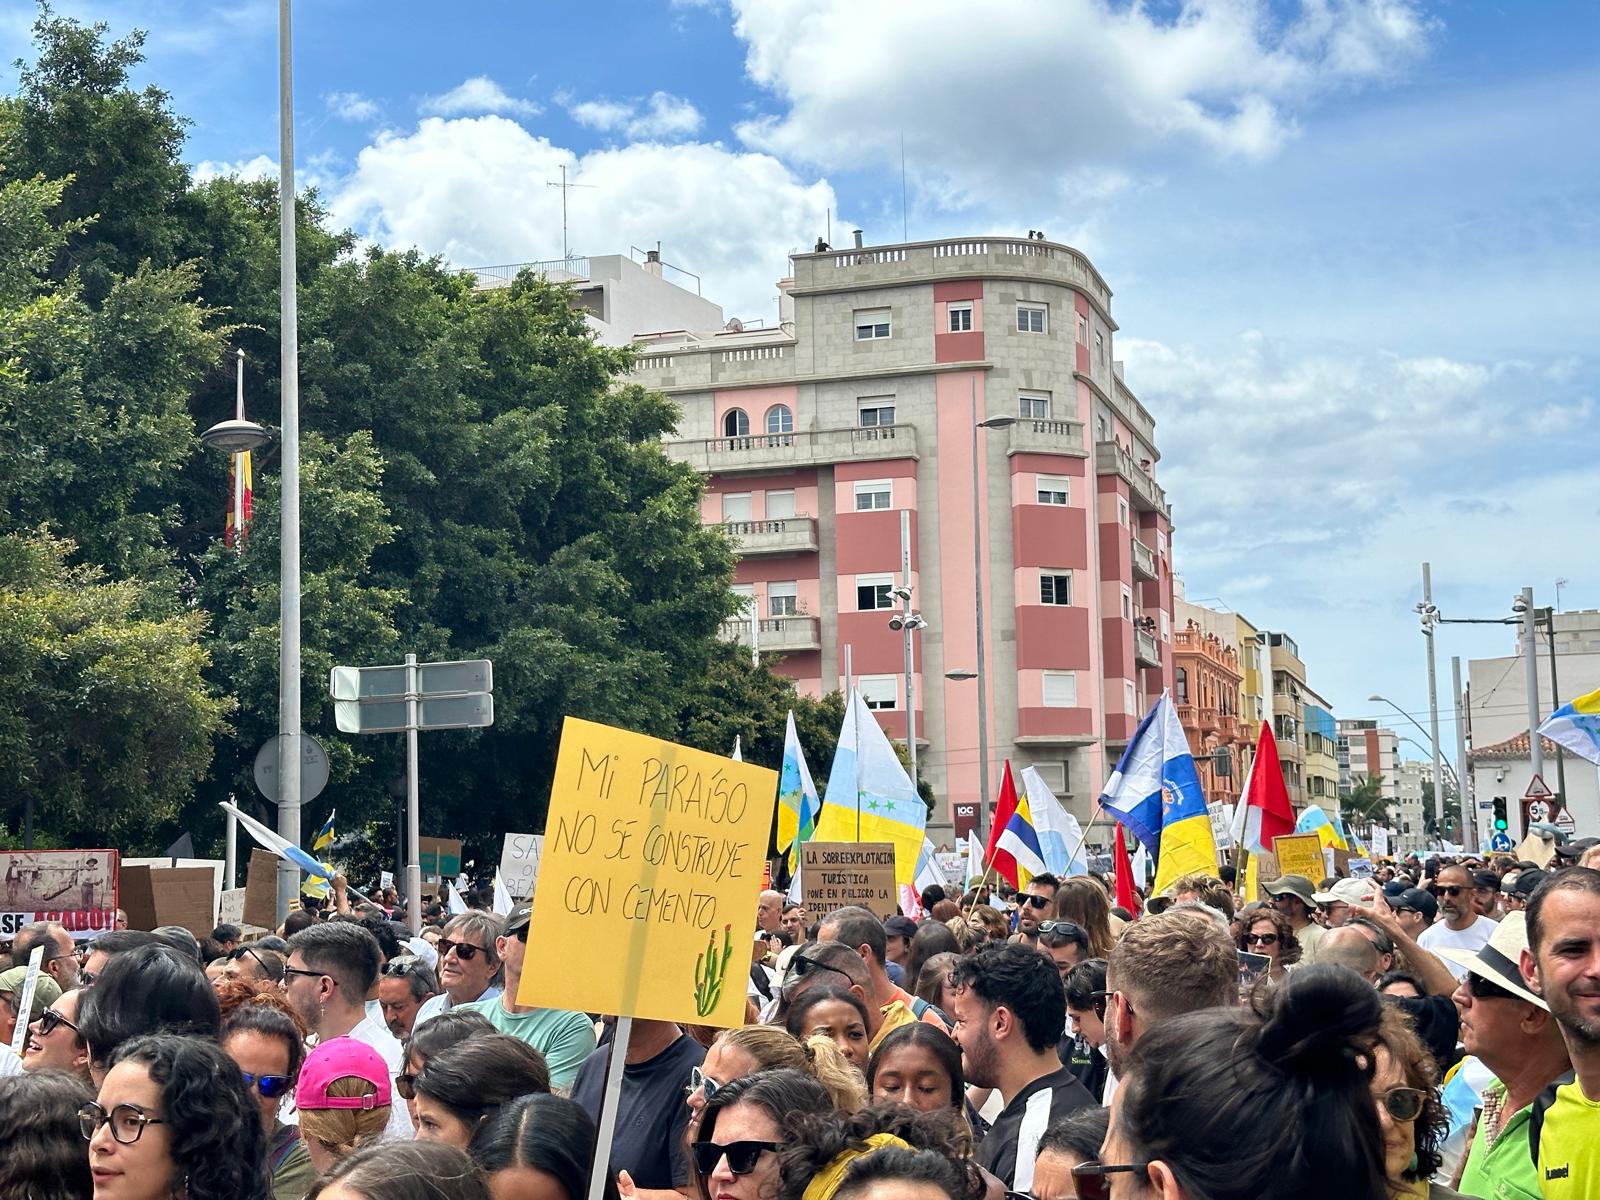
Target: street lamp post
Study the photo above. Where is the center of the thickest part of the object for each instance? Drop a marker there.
(1430, 620)
(998, 422)
(906, 622)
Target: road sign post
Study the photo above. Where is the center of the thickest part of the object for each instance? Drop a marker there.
(408, 698)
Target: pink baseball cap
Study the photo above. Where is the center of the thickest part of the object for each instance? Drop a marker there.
(342, 1058)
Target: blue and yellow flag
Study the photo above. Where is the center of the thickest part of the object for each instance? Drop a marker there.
(1577, 726)
(870, 797)
(325, 836)
(797, 798)
(1155, 791)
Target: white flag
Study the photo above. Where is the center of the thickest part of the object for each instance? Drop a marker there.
(502, 897)
(1058, 830)
(454, 904)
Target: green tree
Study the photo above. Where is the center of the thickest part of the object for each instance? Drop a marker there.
(1365, 800)
(105, 718)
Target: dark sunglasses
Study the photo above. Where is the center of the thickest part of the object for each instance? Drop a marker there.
(1404, 1104)
(742, 1156)
(50, 1019)
(1483, 989)
(287, 970)
(1261, 939)
(402, 966)
(270, 1086)
(1453, 891)
(1069, 929)
(465, 951)
(1091, 1182)
(270, 969)
(406, 1086)
(1038, 901)
(800, 967)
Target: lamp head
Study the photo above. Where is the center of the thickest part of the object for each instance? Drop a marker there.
(236, 437)
(1519, 605)
(903, 592)
(897, 622)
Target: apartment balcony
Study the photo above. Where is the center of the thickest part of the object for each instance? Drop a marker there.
(777, 635)
(1146, 493)
(1146, 651)
(1144, 561)
(1031, 435)
(790, 535)
(786, 451)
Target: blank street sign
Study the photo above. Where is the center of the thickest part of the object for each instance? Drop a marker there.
(433, 679)
(389, 716)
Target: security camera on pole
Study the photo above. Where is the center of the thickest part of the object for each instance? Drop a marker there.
(906, 622)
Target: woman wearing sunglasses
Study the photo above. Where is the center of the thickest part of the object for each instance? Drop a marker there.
(735, 1156)
(736, 1053)
(1267, 931)
(1241, 1103)
(1414, 1122)
(173, 1118)
(267, 1042)
(54, 1043)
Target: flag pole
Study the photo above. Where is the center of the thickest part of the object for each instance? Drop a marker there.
(1083, 834)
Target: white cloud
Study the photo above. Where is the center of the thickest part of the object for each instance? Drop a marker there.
(662, 117)
(352, 106)
(474, 190)
(1052, 85)
(259, 167)
(480, 94)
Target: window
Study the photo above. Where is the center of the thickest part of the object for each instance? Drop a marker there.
(1130, 696)
(735, 506)
(1122, 511)
(735, 423)
(1180, 683)
(1102, 428)
(746, 593)
(1030, 318)
(961, 317)
(780, 419)
(874, 591)
(1052, 489)
(871, 323)
(1127, 603)
(1055, 587)
(875, 410)
(879, 691)
(1166, 626)
(1099, 347)
(1034, 405)
(1161, 543)
(1083, 330)
(1054, 776)
(1060, 689)
(780, 505)
(874, 494)
(783, 599)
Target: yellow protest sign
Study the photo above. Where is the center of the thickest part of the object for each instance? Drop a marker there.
(1300, 854)
(649, 880)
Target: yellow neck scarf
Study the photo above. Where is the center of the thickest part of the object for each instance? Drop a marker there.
(827, 1181)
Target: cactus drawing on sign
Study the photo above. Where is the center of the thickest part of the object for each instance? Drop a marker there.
(710, 971)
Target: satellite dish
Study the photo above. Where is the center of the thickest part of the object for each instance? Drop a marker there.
(734, 325)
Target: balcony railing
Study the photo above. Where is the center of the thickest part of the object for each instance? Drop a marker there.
(1032, 435)
(758, 452)
(556, 270)
(777, 635)
(1146, 652)
(790, 535)
(1144, 560)
(1112, 459)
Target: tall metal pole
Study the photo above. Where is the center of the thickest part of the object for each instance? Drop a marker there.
(413, 806)
(1530, 636)
(238, 465)
(230, 866)
(977, 583)
(1429, 620)
(289, 517)
(911, 695)
(1469, 806)
(1555, 703)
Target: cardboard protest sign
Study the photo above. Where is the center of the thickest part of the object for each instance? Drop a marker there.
(439, 858)
(156, 896)
(261, 890)
(1379, 837)
(649, 879)
(1300, 854)
(230, 910)
(519, 863)
(837, 874)
(78, 888)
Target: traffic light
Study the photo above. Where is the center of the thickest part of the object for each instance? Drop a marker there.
(1500, 813)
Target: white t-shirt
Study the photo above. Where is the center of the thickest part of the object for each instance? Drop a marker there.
(1440, 936)
(385, 1043)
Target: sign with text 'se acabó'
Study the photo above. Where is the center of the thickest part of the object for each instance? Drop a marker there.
(649, 879)
(1300, 854)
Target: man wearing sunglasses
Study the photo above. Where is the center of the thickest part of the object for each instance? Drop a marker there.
(861, 930)
(469, 966)
(1035, 904)
(1461, 926)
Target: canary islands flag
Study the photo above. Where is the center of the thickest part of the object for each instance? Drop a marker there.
(870, 797)
(797, 797)
(325, 836)
(1577, 726)
(1155, 791)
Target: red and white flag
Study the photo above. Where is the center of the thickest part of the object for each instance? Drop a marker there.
(1263, 812)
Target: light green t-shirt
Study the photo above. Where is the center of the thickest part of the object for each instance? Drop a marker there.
(564, 1038)
(1569, 1146)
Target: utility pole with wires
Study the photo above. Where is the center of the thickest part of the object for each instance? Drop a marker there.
(566, 251)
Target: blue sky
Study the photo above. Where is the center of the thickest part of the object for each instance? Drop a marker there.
(1353, 242)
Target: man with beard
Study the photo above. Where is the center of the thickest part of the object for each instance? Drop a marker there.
(1010, 1012)
(1463, 927)
(1033, 906)
(1562, 964)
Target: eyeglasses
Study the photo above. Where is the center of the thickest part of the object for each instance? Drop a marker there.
(406, 1085)
(699, 1079)
(1484, 989)
(1069, 929)
(800, 967)
(1453, 891)
(287, 971)
(127, 1122)
(1261, 939)
(239, 952)
(270, 1086)
(1038, 901)
(50, 1019)
(1091, 1182)
(742, 1156)
(400, 967)
(465, 951)
(1102, 998)
(1404, 1104)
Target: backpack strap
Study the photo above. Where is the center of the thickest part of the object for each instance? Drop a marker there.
(920, 1006)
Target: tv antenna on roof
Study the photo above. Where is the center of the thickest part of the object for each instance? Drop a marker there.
(566, 252)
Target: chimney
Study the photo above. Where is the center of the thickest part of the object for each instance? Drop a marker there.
(857, 234)
(652, 262)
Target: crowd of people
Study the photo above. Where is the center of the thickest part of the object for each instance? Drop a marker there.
(1431, 1031)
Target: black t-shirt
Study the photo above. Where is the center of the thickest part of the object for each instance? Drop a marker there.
(651, 1116)
(1086, 1063)
(1016, 1131)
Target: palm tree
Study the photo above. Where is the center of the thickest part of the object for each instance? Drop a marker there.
(1366, 801)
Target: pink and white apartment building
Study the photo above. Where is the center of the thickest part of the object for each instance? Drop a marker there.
(815, 436)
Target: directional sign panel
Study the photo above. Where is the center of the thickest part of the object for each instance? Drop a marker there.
(389, 716)
(433, 679)
(367, 683)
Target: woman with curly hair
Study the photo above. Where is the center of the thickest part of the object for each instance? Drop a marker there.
(748, 1049)
(831, 1153)
(1083, 902)
(744, 1126)
(1267, 931)
(173, 1119)
(1405, 1089)
(43, 1157)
